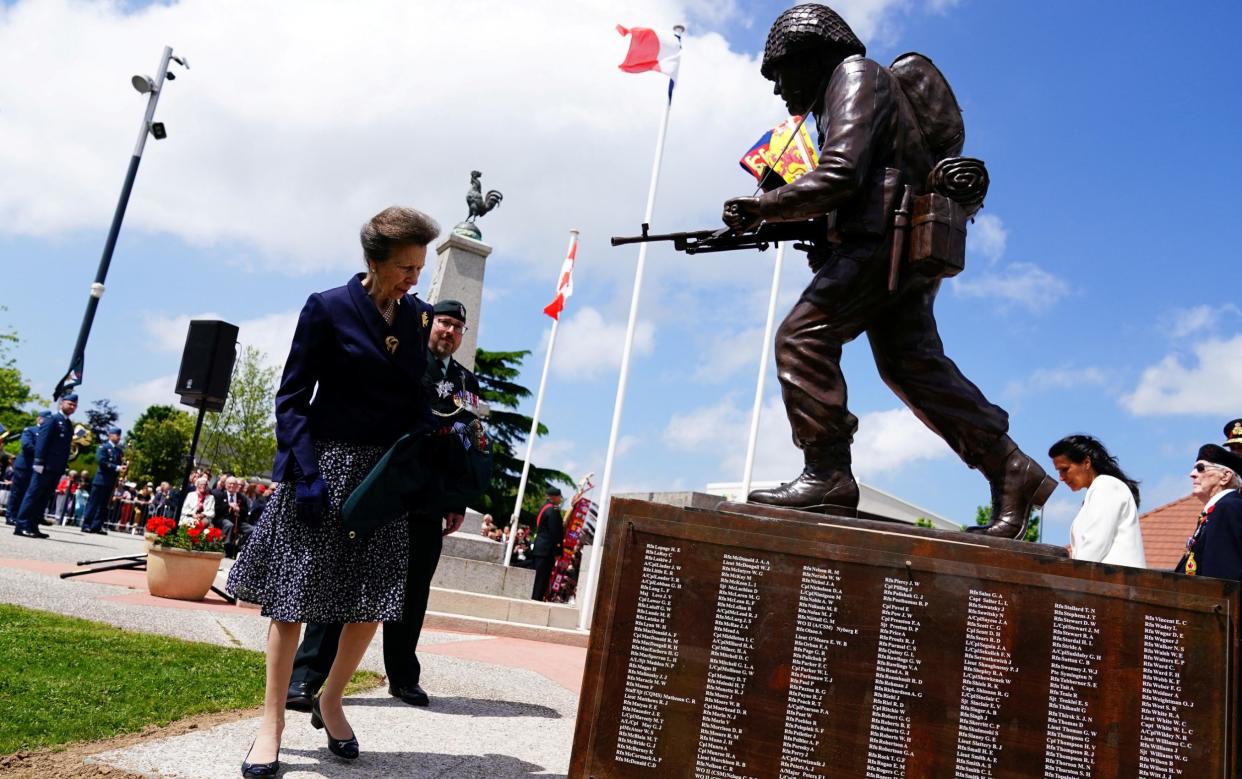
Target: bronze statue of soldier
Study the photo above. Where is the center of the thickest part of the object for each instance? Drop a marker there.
(872, 149)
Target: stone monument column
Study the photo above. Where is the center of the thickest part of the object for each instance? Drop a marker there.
(459, 276)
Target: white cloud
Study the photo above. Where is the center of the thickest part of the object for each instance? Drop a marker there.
(889, 440)
(886, 440)
(728, 353)
(1183, 322)
(1061, 509)
(587, 347)
(271, 334)
(1020, 284)
(1064, 377)
(1208, 383)
(294, 127)
(987, 237)
(157, 391)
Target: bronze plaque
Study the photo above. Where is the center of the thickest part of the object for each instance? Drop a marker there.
(792, 647)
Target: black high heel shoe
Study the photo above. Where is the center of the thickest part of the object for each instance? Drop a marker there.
(259, 770)
(347, 748)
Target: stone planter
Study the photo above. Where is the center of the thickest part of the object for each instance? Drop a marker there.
(179, 573)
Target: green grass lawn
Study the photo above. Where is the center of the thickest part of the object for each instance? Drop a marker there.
(64, 679)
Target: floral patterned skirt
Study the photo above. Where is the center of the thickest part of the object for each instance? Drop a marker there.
(303, 573)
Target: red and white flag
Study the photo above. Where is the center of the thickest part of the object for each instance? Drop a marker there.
(651, 50)
(565, 282)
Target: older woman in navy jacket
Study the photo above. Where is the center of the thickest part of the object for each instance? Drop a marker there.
(352, 385)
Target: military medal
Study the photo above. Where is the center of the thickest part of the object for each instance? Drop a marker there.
(1192, 567)
(444, 388)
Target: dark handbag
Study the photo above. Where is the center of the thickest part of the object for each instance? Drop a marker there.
(430, 472)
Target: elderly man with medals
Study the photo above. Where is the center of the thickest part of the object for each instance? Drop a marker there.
(1215, 547)
(453, 393)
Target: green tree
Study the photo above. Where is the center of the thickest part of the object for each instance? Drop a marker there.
(15, 393)
(158, 443)
(101, 416)
(983, 515)
(508, 430)
(241, 439)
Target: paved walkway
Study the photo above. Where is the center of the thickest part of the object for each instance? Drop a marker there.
(502, 707)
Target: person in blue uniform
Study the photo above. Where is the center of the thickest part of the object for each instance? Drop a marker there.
(448, 385)
(51, 455)
(22, 468)
(108, 459)
(352, 386)
(1215, 547)
(549, 542)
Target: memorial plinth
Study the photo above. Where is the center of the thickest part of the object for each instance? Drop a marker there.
(459, 276)
(770, 643)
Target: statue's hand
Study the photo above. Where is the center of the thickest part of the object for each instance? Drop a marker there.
(742, 213)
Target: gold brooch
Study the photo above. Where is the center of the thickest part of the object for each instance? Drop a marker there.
(426, 319)
(391, 343)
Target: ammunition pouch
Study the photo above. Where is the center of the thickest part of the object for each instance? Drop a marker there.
(937, 236)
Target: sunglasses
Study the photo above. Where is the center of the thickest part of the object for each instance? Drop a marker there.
(1201, 467)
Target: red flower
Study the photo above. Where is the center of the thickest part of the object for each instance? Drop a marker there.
(161, 531)
(214, 534)
(194, 532)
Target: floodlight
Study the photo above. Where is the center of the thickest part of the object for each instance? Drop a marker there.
(143, 84)
(157, 129)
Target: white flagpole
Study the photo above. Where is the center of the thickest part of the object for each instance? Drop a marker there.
(586, 600)
(763, 372)
(534, 425)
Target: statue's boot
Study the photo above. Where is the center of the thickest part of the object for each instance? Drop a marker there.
(1018, 486)
(826, 484)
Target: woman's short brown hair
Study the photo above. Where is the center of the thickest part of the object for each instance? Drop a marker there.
(396, 226)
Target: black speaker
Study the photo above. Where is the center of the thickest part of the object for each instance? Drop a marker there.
(207, 364)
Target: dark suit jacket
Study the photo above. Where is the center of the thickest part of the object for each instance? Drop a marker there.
(350, 377)
(222, 509)
(550, 535)
(441, 385)
(52, 445)
(1218, 547)
(25, 458)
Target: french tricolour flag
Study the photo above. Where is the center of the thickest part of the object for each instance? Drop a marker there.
(651, 50)
(564, 282)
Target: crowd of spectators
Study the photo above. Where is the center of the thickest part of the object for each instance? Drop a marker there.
(234, 506)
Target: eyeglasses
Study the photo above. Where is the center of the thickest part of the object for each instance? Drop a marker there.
(449, 324)
(1201, 467)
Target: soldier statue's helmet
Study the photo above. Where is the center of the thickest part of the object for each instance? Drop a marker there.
(805, 28)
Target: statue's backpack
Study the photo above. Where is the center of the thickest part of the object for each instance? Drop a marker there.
(956, 185)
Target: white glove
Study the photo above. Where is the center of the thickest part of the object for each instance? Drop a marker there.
(38, 468)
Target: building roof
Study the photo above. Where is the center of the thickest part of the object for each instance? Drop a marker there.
(1165, 530)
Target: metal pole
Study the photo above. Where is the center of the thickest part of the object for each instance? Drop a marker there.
(534, 426)
(77, 361)
(751, 442)
(189, 460)
(587, 601)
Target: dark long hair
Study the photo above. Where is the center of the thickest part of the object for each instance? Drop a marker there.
(1078, 448)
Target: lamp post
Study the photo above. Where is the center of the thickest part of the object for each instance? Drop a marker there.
(152, 88)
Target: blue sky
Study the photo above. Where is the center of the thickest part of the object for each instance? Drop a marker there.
(1101, 293)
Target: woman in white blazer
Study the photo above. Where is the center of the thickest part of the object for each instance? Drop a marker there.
(1106, 529)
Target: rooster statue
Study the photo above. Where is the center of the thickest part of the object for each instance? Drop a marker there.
(479, 204)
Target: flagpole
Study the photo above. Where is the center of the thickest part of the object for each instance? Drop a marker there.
(586, 603)
(751, 443)
(534, 425)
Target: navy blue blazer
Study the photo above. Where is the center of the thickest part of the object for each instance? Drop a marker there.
(108, 457)
(350, 377)
(25, 458)
(1218, 546)
(52, 445)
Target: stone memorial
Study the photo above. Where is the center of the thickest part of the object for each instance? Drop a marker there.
(758, 642)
